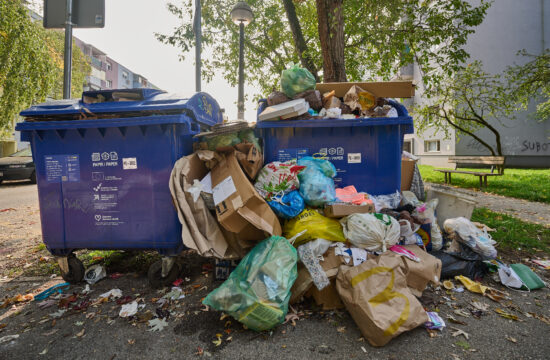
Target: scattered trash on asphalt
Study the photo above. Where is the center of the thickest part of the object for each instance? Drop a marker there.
(128, 309)
(56, 289)
(94, 273)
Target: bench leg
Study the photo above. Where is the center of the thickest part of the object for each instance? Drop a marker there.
(450, 178)
(445, 177)
(485, 180)
(481, 182)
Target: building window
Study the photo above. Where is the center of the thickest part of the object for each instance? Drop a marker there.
(108, 66)
(432, 146)
(408, 146)
(125, 75)
(109, 84)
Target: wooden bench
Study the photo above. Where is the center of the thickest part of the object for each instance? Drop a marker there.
(495, 162)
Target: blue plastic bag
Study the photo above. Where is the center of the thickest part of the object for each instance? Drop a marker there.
(288, 206)
(316, 183)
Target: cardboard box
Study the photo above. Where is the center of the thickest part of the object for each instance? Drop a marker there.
(239, 208)
(330, 264)
(391, 89)
(328, 298)
(341, 210)
(407, 172)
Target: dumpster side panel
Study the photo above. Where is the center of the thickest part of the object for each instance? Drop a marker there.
(367, 157)
(107, 188)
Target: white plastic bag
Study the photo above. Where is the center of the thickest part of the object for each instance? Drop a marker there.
(373, 232)
(427, 212)
(470, 235)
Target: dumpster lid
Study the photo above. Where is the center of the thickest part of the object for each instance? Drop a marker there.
(121, 102)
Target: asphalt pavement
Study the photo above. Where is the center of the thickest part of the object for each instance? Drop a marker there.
(76, 328)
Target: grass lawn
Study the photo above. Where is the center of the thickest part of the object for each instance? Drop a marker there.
(528, 184)
(514, 234)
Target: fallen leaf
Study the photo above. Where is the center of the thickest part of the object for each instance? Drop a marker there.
(506, 314)
(511, 339)
(463, 344)
(79, 323)
(205, 308)
(461, 312)
(218, 340)
(227, 323)
(448, 284)
(479, 305)
(131, 341)
(223, 316)
(283, 346)
(3, 326)
(157, 324)
(543, 318)
(459, 332)
(363, 348)
(51, 332)
(496, 295)
(455, 357)
(341, 329)
(58, 313)
(44, 352)
(81, 333)
(230, 338)
(454, 320)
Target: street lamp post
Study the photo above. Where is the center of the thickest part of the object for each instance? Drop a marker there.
(242, 15)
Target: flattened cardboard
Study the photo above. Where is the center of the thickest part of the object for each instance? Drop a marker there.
(330, 264)
(341, 210)
(391, 89)
(243, 212)
(328, 298)
(407, 172)
(250, 158)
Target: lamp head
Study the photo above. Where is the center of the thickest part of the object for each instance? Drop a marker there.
(242, 13)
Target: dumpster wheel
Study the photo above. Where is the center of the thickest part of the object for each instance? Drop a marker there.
(76, 270)
(154, 275)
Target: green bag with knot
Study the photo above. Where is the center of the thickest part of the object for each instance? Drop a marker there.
(296, 80)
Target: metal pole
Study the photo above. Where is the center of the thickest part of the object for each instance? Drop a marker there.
(67, 65)
(198, 45)
(240, 101)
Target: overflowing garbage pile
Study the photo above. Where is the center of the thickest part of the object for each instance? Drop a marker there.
(300, 100)
(289, 233)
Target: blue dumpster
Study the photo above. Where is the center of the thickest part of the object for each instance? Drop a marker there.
(103, 165)
(365, 151)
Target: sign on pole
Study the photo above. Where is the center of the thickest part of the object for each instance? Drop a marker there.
(85, 13)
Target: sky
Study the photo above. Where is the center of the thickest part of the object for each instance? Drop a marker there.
(128, 38)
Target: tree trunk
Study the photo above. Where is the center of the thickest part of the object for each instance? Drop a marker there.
(299, 41)
(331, 36)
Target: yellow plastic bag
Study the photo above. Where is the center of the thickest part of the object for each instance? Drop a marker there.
(317, 226)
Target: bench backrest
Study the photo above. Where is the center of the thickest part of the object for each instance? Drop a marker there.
(488, 160)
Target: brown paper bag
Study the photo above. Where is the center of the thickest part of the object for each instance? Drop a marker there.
(419, 274)
(250, 159)
(377, 297)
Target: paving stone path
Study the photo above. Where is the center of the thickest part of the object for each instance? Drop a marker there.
(530, 211)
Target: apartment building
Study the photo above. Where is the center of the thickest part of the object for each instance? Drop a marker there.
(509, 27)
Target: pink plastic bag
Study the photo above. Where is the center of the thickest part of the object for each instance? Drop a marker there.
(350, 195)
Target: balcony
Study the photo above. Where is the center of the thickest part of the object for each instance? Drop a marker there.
(98, 64)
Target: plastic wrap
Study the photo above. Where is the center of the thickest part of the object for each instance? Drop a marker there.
(470, 235)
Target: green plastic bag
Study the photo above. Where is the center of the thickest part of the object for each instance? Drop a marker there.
(258, 290)
(296, 80)
(529, 279)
